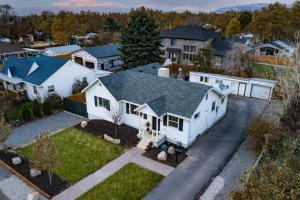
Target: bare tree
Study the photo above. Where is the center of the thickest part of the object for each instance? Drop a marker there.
(115, 113)
(5, 131)
(45, 155)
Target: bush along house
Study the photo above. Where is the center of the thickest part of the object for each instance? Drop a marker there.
(38, 77)
(161, 108)
(106, 57)
(182, 44)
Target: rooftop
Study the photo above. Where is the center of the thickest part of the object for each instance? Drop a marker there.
(161, 94)
(151, 68)
(221, 46)
(63, 49)
(6, 47)
(20, 68)
(190, 33)
(104, 51)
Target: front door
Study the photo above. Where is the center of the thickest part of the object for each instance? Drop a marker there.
(154, 123)
(173, 57)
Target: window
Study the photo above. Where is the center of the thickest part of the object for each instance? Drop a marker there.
(222, 100)
(173, 121)
(145, 116)
(162, 42)
(197, 115)
(206, 79)
(187, 48)
(219, 81)
(132, 108)
(127, 108)
(90, 65)
(34, 90)
(51, 88)
(201, 78)
(84, 79)
(206, 97)
(173, 42)
(101, 102)
(213, 106)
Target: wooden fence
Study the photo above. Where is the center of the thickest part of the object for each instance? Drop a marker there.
(273, 60)
(79, 97)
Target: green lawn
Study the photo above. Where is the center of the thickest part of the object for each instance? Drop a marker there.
(80, 153)
(132, 182)
(264, 70)
(16, 112)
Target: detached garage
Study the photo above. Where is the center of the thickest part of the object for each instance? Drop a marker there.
(248, 87)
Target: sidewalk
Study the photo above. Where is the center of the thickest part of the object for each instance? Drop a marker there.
(133, 155)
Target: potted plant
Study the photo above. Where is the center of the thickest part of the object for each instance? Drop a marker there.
(148, 126)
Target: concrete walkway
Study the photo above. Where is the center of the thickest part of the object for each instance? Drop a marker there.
(134, 155)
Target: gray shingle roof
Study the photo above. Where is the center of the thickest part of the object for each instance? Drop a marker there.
(151, 68)
(104, 51)
(20, 67)
(221, 47)
(64, 49)
(190, 33)
(161, 94)
(6, 47)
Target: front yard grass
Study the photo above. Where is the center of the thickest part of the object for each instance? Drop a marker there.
(265, 71)
(80, 153)
(132, 182)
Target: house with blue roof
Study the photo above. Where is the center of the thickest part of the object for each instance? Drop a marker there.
(105, 57)
(161, 108)
(283, 48)
(60, 50)
(38, 77)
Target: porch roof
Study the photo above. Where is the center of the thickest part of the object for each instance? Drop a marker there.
(161, 94)
(10, 80)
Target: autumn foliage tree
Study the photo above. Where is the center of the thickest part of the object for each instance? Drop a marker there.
(233, 28)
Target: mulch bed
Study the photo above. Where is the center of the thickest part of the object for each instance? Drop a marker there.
(41, 181)
(152, 152)
(126, 134)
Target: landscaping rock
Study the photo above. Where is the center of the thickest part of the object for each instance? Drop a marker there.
(110, 139)
(33, 196)
(35, 172)
(16, 160)
(162, 156)
(171, 150)
(83, 124)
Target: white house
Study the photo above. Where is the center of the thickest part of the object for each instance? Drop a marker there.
(248, 87)
(277, 48)
(106, 57)
(37, 77)
(176, 111)
(60, 50)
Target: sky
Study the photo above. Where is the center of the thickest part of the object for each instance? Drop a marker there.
(25, 7)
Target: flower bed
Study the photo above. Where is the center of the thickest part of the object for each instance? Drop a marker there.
(41, 182)
(126, 134)
(152, 152)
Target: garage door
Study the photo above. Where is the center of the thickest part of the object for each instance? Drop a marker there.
(260, 91)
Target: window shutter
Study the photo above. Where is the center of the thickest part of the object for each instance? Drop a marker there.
(96, 101)
(127, 108)
(165, 120)
(181, 124)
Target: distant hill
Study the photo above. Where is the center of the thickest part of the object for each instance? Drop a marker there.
(249, 7)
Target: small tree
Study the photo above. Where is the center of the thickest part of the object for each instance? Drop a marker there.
(291, 115)
(5, 131)
(115, 113)
(204, 58)
(233, 27)
(26, 114)
(36, 108)
(45, 155)
(78, 86)
(47, 108)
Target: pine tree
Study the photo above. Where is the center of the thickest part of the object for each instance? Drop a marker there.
(36, 108)
(140, 40)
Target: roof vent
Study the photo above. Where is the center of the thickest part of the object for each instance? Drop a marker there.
(163, 72)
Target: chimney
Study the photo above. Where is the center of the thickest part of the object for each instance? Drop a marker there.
(180, 75)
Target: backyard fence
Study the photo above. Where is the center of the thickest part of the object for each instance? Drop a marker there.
(76, 104)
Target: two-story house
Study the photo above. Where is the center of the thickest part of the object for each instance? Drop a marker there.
(181, 44)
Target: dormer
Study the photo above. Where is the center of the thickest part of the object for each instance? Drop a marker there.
(33, 68)
(9, 74)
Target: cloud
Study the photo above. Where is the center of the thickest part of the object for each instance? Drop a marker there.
(87, 3)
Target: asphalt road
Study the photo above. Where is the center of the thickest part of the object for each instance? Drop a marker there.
(210, 152)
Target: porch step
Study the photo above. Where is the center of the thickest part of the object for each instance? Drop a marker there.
(144, 142)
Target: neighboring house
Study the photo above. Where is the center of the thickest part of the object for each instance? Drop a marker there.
(151, 68)
(60, 50)
(106, 57)
(181, 44)
(276, 48)
(9, 50)
(249, 87)
(37, 77)
(176, 111)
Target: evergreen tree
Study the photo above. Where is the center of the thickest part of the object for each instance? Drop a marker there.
(140, 40)
(245, 19)
(233, 27)
(204, 58)
(26, 114)
(36, 108)
(47, 108)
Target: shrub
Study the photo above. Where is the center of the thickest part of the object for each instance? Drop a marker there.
(55, 101)
(258, 131)
(47, 108)
(291, 116)
(26, 114)
(36, 108)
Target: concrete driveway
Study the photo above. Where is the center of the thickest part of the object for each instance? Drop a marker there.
(210, 152)
(26, 133)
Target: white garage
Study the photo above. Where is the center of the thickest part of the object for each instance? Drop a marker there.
(248, 87)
